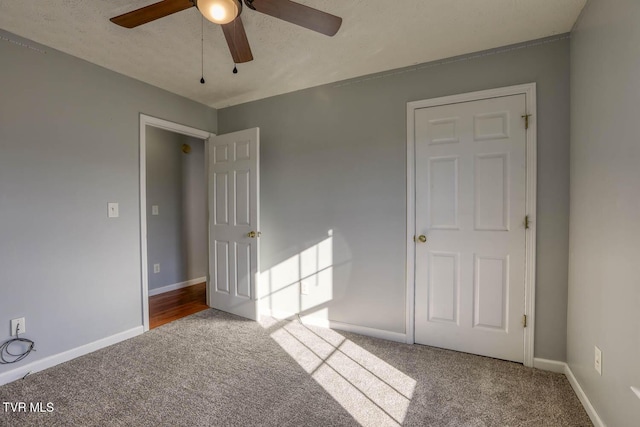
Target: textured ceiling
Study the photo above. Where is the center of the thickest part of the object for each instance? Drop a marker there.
(376, 35)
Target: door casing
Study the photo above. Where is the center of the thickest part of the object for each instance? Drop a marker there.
(531, 196)
(145, 121)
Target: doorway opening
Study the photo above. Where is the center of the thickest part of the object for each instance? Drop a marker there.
(173, 305)
(174, 223)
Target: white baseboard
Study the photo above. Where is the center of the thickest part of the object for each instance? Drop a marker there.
(56, 359)
(276, 314)
(362, 330)
(591, 411)
(176, 286)
(325, 323)
(549, 365)
(563, 368)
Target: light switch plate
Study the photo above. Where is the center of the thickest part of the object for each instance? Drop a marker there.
(113, 210)
(598, 360)
(154, 210)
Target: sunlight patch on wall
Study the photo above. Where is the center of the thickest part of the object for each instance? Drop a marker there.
(299, 283)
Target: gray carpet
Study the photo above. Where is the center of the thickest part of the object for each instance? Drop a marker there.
(215, 369)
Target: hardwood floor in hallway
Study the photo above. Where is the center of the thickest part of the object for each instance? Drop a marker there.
(170, 306)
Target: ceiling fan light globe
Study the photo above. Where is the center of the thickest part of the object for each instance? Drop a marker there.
(219, 11)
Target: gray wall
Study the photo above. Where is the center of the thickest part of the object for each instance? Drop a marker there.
(334, 158)
(604, 286)
(176, 183)
(68, 146)
(195, 224)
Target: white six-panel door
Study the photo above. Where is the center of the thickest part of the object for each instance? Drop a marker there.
(234, 222)
(470, 170)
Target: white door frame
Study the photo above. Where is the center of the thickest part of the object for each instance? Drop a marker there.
(531, 173)
(177, 128)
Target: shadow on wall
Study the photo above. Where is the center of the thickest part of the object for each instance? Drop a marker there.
(304, 283)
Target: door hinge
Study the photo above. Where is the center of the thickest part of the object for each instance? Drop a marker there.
(524, 320)
(526, 222)
(526, 120)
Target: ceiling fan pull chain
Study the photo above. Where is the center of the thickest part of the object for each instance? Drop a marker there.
(235, 69)
(202, 45)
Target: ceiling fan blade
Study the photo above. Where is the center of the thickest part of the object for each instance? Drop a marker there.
(151, 13)
(299, 14)
(237, 41)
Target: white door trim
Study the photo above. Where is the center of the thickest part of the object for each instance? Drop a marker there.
(531, 194)
(173, 127)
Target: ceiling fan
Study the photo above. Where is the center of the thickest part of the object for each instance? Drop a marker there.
(227, 14)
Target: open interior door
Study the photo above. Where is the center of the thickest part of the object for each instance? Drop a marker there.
(234, 222)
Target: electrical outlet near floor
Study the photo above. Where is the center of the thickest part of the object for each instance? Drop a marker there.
(18, 326)
(598, 360)
(156, 268)
(304, 288)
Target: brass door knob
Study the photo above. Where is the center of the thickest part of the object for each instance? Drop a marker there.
(254, 234)
(422, 238)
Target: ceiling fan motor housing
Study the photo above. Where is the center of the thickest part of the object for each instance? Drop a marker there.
(219, 11)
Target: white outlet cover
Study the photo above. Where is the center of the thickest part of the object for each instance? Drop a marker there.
(154, 210)
(14, 326)
(304, 288)
(113, 210)
(598, 360)
(156, 268)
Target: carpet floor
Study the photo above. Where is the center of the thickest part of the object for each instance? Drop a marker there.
(215, 369)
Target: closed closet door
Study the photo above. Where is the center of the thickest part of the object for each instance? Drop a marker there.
(470, 234)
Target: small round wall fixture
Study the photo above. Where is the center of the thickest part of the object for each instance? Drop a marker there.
(220, 11)
(186, 148)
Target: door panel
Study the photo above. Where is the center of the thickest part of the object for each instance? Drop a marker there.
(443, 287)
(490, 292)
(234, 263)
(492, 192)
(221, 267)
(470, 203)
(443, 193)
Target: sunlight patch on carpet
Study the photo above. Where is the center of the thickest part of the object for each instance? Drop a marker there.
(372, 391)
